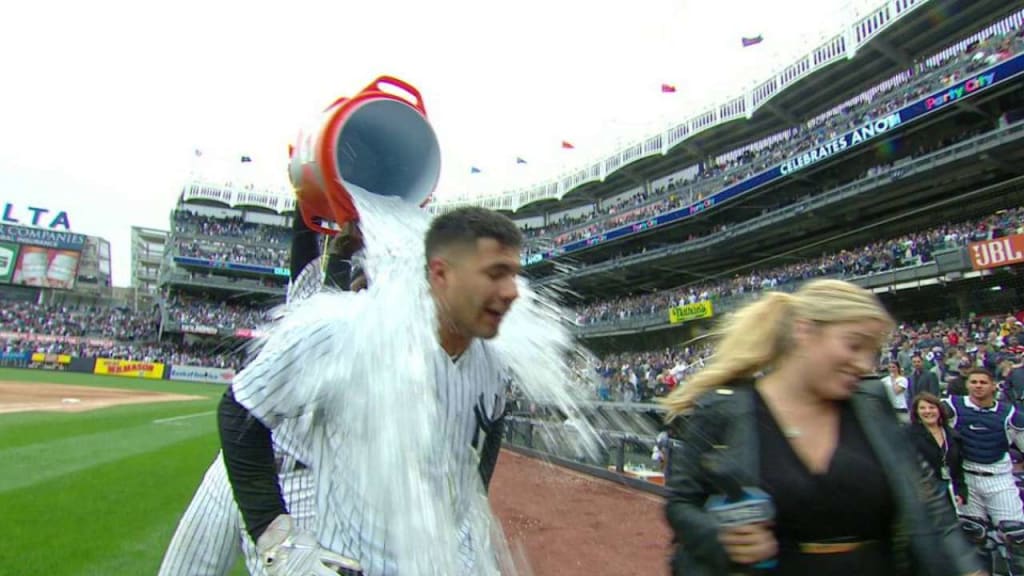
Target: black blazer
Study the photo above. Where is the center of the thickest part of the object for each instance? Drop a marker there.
(926, 537)
(927, 381)
(933, 455)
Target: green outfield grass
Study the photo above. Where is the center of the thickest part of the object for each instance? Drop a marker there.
(99, 493)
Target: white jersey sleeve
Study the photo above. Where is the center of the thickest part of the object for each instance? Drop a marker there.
(269, 386)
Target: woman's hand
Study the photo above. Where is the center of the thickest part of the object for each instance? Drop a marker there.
(749, 544)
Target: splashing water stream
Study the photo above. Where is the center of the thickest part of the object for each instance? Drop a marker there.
(391, 452)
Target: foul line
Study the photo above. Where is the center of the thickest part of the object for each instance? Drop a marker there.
(186, 416)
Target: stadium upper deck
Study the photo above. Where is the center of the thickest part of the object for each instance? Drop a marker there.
(912, 139)
(879, 45)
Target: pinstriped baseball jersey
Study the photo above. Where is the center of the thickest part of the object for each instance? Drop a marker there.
(345, 522)
(210, 534)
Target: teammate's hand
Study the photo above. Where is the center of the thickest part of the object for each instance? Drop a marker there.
(286, 550)
(749, 544)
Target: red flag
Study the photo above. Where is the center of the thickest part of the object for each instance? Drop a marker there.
(566, 145)
(668, 89)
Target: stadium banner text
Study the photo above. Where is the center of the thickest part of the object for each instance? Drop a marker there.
(51, 358)
(49, 339)
(997, 252)
(688, 312)
(131, 368)
(198, 329)
(222, 265)
(187, 373)
(39, 237)
(877, 127)
(248, 333)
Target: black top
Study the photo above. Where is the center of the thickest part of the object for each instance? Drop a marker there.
(937, 456)
(851, 502)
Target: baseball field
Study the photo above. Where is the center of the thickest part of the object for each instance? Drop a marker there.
(97, 470)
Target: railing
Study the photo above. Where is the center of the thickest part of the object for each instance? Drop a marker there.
(279, 201)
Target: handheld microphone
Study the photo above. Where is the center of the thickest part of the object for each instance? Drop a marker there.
(738, 505)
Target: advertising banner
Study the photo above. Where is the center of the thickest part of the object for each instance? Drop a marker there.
(187, 373)
(48, 339)
(45, 268)
(131, 368)
(998, 252)
(198, 329)
(8, 259)
(688, 312)
(874, 128)
(55, 239)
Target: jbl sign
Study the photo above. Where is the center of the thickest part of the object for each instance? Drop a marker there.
(998, 252)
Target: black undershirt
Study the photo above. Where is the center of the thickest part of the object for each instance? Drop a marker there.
(850, 502)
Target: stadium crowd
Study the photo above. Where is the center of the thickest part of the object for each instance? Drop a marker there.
(237, 253)
(185, 222)
(210, 313)
(119, 324)
(948, 348)
(928, 76)
(888, 254)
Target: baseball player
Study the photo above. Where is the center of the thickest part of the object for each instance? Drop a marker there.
(472, 261)
(209, 536)
(988, 427)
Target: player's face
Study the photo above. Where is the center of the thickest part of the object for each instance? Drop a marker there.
(981, 388)
(838, 355)
(481, 286)
(927, 412)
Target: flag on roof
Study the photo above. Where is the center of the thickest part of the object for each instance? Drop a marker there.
(750, 41)
(567, 145)
(519, 160)
(668, 89)
(246, 159)
(475, 170)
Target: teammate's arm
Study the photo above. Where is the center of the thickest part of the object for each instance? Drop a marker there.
(1015, 428)
(949, 410)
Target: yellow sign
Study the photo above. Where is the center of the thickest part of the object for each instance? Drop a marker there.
(687, 312)
(153, 370)
(40, 358)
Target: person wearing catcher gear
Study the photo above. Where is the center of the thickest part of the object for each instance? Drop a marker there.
(988, 428)
(210, 534)
(473, 259)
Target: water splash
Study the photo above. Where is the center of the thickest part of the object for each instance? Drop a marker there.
(377, 385)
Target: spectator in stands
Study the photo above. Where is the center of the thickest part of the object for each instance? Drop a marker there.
(940, 446)
(848, 493)
(896, 386)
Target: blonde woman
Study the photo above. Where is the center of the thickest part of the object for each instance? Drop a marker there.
(849, 491)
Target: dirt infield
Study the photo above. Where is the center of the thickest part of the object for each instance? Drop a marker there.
(569, 524)
(41, 397)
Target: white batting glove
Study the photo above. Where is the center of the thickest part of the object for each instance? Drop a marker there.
(286, 550)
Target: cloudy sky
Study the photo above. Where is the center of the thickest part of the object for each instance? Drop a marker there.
(104, 103)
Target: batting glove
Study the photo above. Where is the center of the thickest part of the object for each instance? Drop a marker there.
(286, 550)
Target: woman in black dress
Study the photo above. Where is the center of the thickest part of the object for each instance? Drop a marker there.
(939, 445)
(782, 407)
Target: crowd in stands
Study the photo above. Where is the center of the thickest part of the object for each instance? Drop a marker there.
(888, 254)
(78, 321)
(238, 253)
(947, 348)
(185, 222)
(220, 315)
(875, 103)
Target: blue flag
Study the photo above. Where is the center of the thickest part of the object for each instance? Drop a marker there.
(474, 170)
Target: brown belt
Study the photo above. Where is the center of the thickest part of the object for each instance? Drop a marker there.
(832, 547)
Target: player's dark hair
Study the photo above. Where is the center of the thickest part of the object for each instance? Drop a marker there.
(980, 370)
(464, 226)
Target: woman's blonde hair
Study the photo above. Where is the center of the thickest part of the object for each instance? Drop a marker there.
(756, 336)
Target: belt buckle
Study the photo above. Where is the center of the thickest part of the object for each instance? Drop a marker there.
(830, 547)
